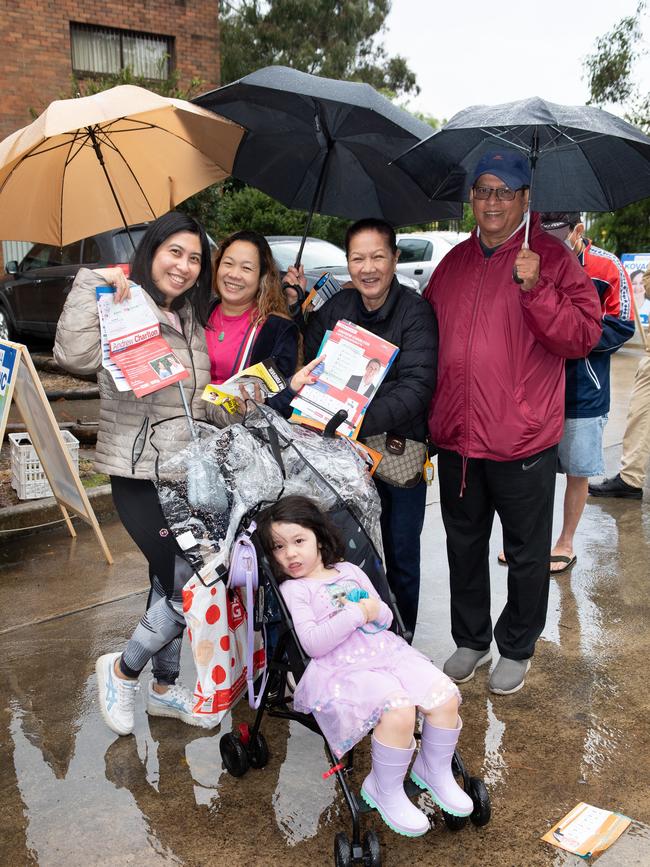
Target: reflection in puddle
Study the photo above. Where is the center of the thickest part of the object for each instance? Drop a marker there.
(494, 764)
(73, 820)
(552, 627)
(204, 761)
(601, 743)
(302, 795)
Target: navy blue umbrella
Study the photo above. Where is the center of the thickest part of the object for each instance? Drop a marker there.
(318, 144)
(583, 158)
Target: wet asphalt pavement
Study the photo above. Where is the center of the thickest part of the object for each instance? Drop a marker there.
(72, 793)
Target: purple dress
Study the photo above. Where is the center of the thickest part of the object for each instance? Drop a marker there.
(357, 670)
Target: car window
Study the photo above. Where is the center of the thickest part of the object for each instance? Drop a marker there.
(41, 256)
(123, 246)
(414, 250)
(317, 254)
(71, 254)
(91, 251)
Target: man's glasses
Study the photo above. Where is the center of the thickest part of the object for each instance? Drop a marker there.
(503, 194)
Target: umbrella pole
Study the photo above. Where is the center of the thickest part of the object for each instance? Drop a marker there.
(534, 153)
(100, 157)
(314, 201)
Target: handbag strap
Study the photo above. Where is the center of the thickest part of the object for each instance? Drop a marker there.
(244, 573)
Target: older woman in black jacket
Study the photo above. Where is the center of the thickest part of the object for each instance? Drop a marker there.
(381, 305)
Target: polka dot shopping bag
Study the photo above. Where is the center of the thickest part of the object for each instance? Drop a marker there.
(216, 620)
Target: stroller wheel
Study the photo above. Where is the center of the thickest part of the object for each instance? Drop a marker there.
(233, 755)
(482, 807)
(258, 752)
(371, 850)
(454, 823)
(342, 850)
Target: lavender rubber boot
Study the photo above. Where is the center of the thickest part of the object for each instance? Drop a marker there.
(383, 789)
(432, 769)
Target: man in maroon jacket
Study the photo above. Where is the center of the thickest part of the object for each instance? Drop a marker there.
(508, 317)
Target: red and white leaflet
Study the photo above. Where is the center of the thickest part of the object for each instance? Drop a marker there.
(354, 364)
(135, 345)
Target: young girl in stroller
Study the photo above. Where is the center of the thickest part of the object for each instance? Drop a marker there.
(362, 676)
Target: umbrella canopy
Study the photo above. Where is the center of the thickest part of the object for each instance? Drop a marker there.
(584, 158)
(325, 145)
(125, 155)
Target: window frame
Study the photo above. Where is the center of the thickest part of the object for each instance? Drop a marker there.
(98, 29)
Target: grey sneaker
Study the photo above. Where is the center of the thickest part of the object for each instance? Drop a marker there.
(508, 676)
(463, 662)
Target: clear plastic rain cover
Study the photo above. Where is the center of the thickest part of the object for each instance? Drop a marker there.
(223, 474)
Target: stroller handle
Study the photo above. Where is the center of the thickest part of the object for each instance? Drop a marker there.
(334, 422)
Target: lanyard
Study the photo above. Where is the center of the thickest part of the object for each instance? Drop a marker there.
(246, 345)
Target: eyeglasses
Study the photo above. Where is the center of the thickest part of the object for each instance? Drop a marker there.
(503, 194)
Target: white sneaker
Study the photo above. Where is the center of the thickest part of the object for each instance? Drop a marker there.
(176, 703)
(116, 696)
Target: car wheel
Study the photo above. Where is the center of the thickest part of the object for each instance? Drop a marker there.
(5, 330)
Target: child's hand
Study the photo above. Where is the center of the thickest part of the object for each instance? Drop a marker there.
(370, 608)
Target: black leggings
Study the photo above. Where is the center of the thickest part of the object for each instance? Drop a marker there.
(159, 634)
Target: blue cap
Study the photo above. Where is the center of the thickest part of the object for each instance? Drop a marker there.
(509, 166)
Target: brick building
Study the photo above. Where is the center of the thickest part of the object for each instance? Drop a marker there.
(43, 43)
(39, 39)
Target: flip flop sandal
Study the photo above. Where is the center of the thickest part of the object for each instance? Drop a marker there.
(562, 558)
(502, 560)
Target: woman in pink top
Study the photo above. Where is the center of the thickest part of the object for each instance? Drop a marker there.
(362, 676)
(249, 321)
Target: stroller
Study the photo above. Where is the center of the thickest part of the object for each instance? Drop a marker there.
(328, 471)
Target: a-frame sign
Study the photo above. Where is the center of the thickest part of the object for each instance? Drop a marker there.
(19, 382)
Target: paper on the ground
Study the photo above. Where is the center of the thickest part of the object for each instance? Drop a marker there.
(587, 831)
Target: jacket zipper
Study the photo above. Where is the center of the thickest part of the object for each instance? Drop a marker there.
(468, 371)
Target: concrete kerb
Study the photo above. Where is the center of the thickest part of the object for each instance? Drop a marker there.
(40, 514)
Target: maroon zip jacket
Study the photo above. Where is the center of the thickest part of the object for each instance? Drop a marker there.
(500, 390)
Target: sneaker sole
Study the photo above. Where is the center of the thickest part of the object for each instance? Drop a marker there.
(482, 661)
(371, 803)
(101, 683)
(174, 713)
(420, 782)
(620, 495)
(497, 691)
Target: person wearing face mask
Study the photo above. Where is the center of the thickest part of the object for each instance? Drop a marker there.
(508, 317)
(587, 396)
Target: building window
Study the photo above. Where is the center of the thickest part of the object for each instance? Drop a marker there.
(108, 51)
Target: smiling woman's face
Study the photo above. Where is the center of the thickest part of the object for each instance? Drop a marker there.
(372, 266)
(238, 276)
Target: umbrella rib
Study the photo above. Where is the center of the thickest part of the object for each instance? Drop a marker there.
(105, 140)
(67, 162)
(147, 125)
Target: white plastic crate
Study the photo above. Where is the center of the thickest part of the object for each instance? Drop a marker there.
(27, 476)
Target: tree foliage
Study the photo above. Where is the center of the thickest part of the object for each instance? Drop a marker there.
(332, 38)
(611, 76)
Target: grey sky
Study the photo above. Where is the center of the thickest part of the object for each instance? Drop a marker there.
(470, 52)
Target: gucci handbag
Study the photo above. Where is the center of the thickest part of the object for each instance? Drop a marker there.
(402, 459)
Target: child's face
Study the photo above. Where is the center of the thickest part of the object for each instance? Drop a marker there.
(295, 550)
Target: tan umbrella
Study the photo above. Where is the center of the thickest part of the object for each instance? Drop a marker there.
(122, 156)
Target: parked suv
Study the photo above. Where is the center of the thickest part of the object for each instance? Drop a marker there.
(421, 252)
(317, 257)
(34, 291)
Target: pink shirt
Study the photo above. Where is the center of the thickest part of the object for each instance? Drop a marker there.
(225, 336)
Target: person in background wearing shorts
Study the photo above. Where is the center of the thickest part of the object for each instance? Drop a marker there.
(580, 453)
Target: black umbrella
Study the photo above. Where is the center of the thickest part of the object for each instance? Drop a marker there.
(318, 144)
(583, 158)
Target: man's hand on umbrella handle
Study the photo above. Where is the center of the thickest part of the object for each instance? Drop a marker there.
(526, 270)
(117, 278)
(304, 375)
